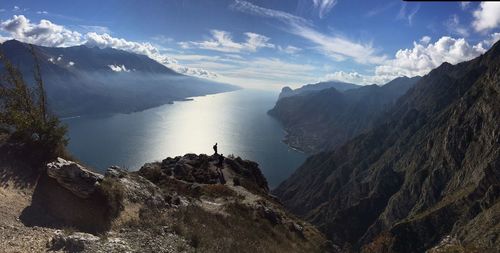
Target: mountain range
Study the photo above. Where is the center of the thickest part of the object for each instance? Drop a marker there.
(308, 88)
(317, 120)
(90, 80)
(429, 170)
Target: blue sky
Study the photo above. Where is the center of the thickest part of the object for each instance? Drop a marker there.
(267, 44)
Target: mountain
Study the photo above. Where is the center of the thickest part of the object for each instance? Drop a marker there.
(325, 119)
(430, 171)
(84, 80)
(308, 88)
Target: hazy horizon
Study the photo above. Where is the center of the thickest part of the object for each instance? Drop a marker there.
(267, 44)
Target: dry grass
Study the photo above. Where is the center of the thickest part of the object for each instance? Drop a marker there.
(114, 193)
(240, 231)
(218, 191)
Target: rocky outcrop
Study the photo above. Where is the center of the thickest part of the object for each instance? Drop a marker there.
(177, 205)
(324, 119)
(67, 194)
(203, 169)
(74, 177)
(430, 169)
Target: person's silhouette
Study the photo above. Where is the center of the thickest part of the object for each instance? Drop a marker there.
(215, 148)
(221, 160)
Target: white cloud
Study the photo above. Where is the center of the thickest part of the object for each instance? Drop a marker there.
(407, 14)
(144, 48)
(44, 33)
(324, 6)
(162, 39)
(492, 39)
(289, 49)
(422, 58)
(454, 27)
(425, 40)
(222, 41)
(380, 9)
(419, 60)
(266, 73)
(464, 5)
(95, 28)
(71, 64)
(16, 8)
(118, 68)
(487, 16)
(42, 12)
(355, 77)
(333, 46)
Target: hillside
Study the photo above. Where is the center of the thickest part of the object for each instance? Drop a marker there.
(430, 170)
(325, 119)
(176, 205)
(309, 88)
(82, 80)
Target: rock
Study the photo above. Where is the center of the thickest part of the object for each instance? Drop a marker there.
(74, 177)
(75, 242)
(270, 215)
(140, 190)
(115, 172)
(297, 229)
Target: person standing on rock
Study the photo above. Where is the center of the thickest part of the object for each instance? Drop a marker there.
(221, 160)
(215, 148)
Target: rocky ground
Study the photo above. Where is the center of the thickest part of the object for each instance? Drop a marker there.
(177, 205)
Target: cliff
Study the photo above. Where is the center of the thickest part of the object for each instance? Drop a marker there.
(430, 170)
(325, 119)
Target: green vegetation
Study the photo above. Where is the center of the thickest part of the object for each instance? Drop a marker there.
(24, 114)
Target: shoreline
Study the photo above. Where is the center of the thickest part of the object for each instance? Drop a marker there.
(170, 102)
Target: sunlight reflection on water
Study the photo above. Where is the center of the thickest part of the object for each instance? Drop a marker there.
(236, 120)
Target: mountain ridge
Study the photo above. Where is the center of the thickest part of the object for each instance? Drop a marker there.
(327, 118)
(308, 88)
(428, 171)
(85, 80)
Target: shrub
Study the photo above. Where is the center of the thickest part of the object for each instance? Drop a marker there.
(24, 114)
(113, 193)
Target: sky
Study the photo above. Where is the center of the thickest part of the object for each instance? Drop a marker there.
(267, 44)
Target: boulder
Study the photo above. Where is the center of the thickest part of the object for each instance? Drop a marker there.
(74, 177)
(75, 242)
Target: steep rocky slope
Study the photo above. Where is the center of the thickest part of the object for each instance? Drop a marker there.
(176, 205)
(430, 170)
(325, 119)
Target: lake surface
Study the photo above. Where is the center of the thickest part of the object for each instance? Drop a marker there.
(236, 120)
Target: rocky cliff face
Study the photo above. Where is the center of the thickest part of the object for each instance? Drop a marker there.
(431, 169)
(322, 120)
(190, 203)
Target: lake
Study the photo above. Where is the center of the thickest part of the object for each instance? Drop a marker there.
(236, 120)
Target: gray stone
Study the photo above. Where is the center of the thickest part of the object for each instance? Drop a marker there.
(74, 177)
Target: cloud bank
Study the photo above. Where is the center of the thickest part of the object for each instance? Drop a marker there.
(46, 33)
